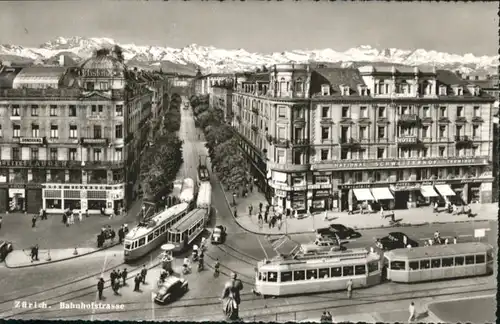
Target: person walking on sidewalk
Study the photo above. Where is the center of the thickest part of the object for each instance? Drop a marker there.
(260, 207)
(137, 282)
(259, 220)
(100, 287)
(266, 215)
(121, 235)
(80, 216)
(144, 272)
(234, 199)
(1, 219)
(235, 213)
(124, 276)
(33, 220)
(250, 208)
(411, 309)
(349, 289)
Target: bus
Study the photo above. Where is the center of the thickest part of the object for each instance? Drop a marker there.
(204, 200)
(185, 231)
(317, 273)
(439, 262)
(152, 233)
(188, 191)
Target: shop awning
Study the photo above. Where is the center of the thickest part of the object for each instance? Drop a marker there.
(445, 190)
(428, 191)
(363, 194)
(382, 193)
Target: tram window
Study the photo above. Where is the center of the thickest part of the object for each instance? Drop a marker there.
(413, 265)
(157, 233)
(425, 264)
(162, 229)
(272, 276)
(347, 271)
(260, 276)
(142, 241)
(127, 246)
(150, 237)
(324, 273)
(134, 245)
(299, 275)
(311, 274)
(372, 266)
(184, 235)
(336, 272)
(190, 231)
(480, 258)
(436, 263)
(398, 265)
(490, 256)
(286, 276)
(459, 261)
(469, 259)
(447, 262)
(360, 269)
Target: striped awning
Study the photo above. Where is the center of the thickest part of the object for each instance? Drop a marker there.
(428, 191)
(363, 194)
(382, 193)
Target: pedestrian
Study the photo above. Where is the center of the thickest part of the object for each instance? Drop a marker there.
(268, 207)
(80, 216)
(455, 240)
(121, 235)
(250, 208)
(86, 213)
(324, 318)
(349, 289)
(270, 222)
(36, 252)
(112, 277)
(329, 316)
(44, 212)
(446, 241)
(100, 287)
(273, 221)
(40, 213)
(71, 218)
(381, 212)
(288, 212)
(295, 213)
(350, 210)
(32, 253)
(266, 215)
(33, 220)
(1, 219)
(124, 276)
(259, 219)
(144, 272)
(260, 207)
(234, 199)
(235, 213)
(137, 282)
(411, 309)
(279, 223)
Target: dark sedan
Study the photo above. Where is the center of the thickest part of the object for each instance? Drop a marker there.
(395, 240)
(5, 249)
(338, 230)
(171, 289)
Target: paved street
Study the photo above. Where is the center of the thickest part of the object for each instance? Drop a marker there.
(476, 310)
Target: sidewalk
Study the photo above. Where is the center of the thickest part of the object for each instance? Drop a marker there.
(417, 216)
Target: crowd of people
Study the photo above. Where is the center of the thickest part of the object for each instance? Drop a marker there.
(118, 279)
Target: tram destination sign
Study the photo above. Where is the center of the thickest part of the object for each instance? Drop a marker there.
(374, 164)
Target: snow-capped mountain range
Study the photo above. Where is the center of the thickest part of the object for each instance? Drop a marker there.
(211, 59)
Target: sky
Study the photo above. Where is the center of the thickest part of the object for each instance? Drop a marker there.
(259, 26)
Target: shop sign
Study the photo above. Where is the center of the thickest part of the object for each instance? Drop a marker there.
(17, 185)
(94, 140)
(400, 163)
(361, 186)
(96, 73)
(31, 140)
(34, 163)
(322, 193)
(280, 193)
(407, 140)
(298, 194)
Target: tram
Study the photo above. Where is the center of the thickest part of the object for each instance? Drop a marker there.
(317, 273)
(150, 234)
(175, 195)
(203, 174)
(186, 230)
(439, 262)
(188, 191)
(204, 200)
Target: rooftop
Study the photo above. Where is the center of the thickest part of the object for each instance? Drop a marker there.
(7, 76)
(336, 77)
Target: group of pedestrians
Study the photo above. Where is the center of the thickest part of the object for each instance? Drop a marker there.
(42, 214)
(68, 217)
(263, 216)
(109, 233)
(118, 279)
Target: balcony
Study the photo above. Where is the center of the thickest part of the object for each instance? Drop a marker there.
(463, 140)
(279, 142)
(300, 141)
(255, 128)
(102, 164)
(255, 111)
(364, 120)
(426, 120)
(346, 120)
(460, 120)
(408, 119)
(349, 142)
(443, 120)
(477, 119)
(407, 140)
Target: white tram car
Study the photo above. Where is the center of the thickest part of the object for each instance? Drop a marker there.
(186, 230)
(188, 191)
(204, 200)
(439, 262)
(317, 273)
(150, 234)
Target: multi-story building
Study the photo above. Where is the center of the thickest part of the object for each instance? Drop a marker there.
(63, 134)
(327, 138)
(222, 98)
(203, 84)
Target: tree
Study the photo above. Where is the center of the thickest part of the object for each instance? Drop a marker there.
(230, 165)
(118, 51)
(216, 135)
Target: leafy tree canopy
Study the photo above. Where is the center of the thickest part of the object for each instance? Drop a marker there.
(230, 164)
(216, 135)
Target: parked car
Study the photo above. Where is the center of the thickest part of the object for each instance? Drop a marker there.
(171, 289)
(321, 244)
(339, 230)
(219, 234)
(5, 249)
(395, 240)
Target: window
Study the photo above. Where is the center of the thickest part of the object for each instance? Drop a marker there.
(424, 152)
(94, 109)
(425, 131)
(436, 263)
(336, 272)
(118, 154)
(325, 111)
(475, 150)
(118, 131)
(425, 264)
(359, 269)
(97, 154)
(325, 133)
(477, 112)
(72, 154)
(72, 111)
(34, 154)
(345, 111)
(381, 132)
(119, 110)
(16, 130)
(413, 265)
(442, 151)
(480, 258)
(442, 131)
(344, 154)
(324, 273)
(53, 154)
(459, 261)
(16, 153)
(297, 157)
(426, 111)
(142, 241)
(16, 111)
(34, 110)
(469, 259)
(89, 86)
(363, 112)
(442, 112)
(286, 276)
(362, 154)
(362, 132)
(97, 131)
(53, 110)
(281, 112)
(475, 130)
(99, 108)
(104, 86)
(380, 153)
(398, 265)
(347, 271)
(381, 112)
(460, 111)
(311, 274)
(73, 131)
(54, 131)
(150, 237)
(458, 130)
(460, 92)
(272, 276)
(447, 262)
(281, 156)
(35, 130)
(373, 266)
(299, 275)
(324, 154)
(442, 91)
(1, 134)
(325, 90)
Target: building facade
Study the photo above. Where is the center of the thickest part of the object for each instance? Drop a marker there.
(328, 138)
(222, 98)
(63, 135)
(203, 84)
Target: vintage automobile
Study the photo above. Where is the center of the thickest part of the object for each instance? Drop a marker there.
(219, 234)
(171, 289)
(321, 244)
(395, 240)
(5, 249)
(338, 230)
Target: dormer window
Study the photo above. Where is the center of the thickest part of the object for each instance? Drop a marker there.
(442, 90)
(362, 90)
(325, 90)
(344, 90)
(459, 91)
(299, 85)
(427, 88)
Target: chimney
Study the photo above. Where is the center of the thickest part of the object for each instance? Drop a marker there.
(61, 60)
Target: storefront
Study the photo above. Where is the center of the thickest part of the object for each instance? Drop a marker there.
(279, 199)
(298, 201)
(17, 199)
(406, 195)
(4, 198)
(321, 200)
(33, 197)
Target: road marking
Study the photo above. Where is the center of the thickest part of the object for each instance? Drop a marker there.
(97, 293)
(262, 246)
